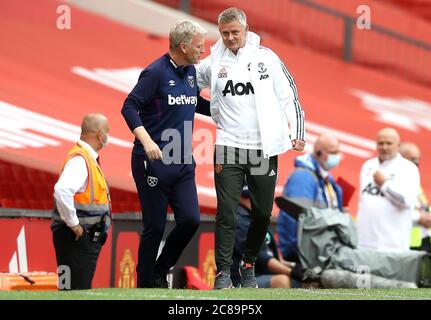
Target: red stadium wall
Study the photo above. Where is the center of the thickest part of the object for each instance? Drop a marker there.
(117, 262)
(39, 249)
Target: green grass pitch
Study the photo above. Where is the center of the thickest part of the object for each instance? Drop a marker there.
(235, 294)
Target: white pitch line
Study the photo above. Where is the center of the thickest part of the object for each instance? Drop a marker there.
(322, 292)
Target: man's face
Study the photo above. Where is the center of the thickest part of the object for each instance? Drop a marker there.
(329, 149)
(387, 146)
(412, 154)
(195, 49)
(233, 35)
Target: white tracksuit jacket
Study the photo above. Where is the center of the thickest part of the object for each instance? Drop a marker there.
(279, 113)
(384, 218)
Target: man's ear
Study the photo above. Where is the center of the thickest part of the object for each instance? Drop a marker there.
(246, 27)
(183, 47)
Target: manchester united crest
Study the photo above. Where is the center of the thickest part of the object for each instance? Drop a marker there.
(262, 67)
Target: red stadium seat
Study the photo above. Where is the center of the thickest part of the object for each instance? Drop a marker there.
(19, 174)
(22, 204)
(16, 190)
(49, 177)
(6, 173)
(5, 191)
(8, 203)
(28, 191)
(48, 204)
(34, 175)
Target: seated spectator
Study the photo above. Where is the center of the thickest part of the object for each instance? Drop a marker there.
(420, 237)
(270, 270)
(389, 187)
(310, 184)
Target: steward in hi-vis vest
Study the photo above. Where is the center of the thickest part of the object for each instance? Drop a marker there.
(93, 205)
(82, 215)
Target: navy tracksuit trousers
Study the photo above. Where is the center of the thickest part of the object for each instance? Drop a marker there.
(160, 185)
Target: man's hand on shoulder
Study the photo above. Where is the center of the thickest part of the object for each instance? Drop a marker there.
(298, 145)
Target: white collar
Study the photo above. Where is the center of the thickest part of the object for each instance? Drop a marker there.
(389, 161)
(89, 148)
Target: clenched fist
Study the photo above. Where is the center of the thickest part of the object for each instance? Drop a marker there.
(298, 145)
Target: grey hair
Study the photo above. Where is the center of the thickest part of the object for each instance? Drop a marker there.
(183, 32)
(233, 14)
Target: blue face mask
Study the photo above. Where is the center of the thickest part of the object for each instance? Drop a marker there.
(332, 161)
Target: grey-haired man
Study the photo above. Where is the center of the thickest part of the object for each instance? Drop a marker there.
(255, 105)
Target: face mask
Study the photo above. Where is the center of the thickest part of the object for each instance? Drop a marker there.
(332, 161)
(104, 144)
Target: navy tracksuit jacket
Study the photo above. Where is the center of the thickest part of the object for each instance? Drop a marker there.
(164, 101)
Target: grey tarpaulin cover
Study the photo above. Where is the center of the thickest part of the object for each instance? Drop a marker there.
(328, 239)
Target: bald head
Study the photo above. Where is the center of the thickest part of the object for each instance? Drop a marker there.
(411, 152)
(326, 146)
(389, 133)
(94, 130)
(326, 142)
(93, 122)
(388, 142)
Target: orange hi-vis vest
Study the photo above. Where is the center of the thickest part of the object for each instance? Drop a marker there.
(93, 204)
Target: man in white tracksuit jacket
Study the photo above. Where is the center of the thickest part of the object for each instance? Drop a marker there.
(389, 189)
(255, 105)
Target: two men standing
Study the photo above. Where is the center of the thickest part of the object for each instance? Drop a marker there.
(255, 105)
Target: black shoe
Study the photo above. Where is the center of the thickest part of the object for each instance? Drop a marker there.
(160, 281)
(248, 279)
(223, 281)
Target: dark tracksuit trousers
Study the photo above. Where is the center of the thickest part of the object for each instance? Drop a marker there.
(158, 186)
(230, 168)
(80, 256)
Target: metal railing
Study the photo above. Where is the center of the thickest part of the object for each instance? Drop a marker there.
(312, 25)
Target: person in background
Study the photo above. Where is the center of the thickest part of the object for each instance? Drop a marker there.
(421, 231)
(271, 270)
(81, 217)
(310, 184)
(389, 187)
